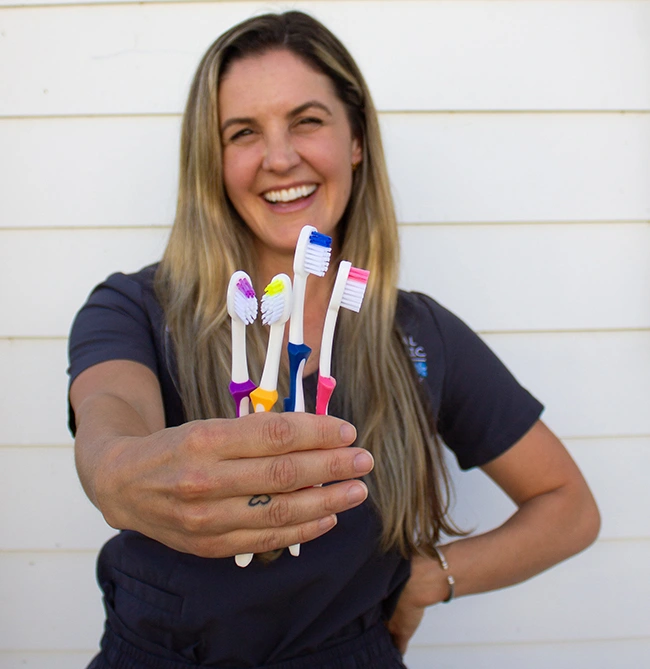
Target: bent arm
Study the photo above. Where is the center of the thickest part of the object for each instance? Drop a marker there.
(556, 518)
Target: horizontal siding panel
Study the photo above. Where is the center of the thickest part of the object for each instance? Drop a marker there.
(594, 654)
(611, 468)
(50, 601)
(581, 599)
(89, 172)
(444, 55)
(56, 515)
(513, 168)
(45, 660)
(533, 277)
(578, 600)
(74, 261)
(34, 379)
(564, 274)
(444, 168)
(594, 384)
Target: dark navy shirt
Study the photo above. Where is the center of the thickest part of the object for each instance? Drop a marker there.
(186, 608)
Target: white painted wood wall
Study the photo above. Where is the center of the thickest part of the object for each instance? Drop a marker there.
(518, 139)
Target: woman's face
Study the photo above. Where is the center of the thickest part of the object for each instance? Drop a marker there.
(288, 148)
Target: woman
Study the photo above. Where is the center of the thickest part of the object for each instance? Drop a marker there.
(279, 132)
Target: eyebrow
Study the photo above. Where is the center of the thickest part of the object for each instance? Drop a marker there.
(244, 120)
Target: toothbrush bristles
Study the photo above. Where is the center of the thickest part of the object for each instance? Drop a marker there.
(273, 302)
(317, 253)
(245, 301)
(355, 289)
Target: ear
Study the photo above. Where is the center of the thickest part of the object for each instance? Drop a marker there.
(357, 152)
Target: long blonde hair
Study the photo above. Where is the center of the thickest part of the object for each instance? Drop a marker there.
(377, 388)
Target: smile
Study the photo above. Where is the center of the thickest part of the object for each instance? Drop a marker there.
(289, 194)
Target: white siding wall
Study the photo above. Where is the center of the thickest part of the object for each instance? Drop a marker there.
(518, 137)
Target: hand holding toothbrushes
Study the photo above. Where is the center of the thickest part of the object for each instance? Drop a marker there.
(281, 301)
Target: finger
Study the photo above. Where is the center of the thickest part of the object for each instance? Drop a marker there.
(266, 434)
(248, 540)
(294, 471)
(261, 541)
(264, 511)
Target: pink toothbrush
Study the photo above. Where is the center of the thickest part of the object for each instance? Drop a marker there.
(349, 290)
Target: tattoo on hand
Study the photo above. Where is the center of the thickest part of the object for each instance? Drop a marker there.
(259, 499)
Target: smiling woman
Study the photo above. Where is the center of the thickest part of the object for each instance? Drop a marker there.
(280, 132)
(288, 150)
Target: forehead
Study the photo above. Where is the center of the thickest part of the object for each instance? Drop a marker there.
(271, 81)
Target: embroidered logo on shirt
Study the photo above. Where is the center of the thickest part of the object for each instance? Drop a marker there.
(418, 356)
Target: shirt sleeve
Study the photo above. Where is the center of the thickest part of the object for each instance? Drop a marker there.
(483, 408)
(112, 325)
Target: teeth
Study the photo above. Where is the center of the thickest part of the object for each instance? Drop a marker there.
(289, 195)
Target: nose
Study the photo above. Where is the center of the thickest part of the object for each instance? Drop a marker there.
(280, 155)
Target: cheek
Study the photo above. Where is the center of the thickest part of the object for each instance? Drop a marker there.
(236, 174)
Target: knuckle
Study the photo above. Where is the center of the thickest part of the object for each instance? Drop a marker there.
(324, 432)
(304, 534)
(204, 547)
(281, 512)
(270, 540)
(207, 545)
(191, 484)
(197, 438)
(283, 474)
(337, 466)
(277, 433)
(193, 519)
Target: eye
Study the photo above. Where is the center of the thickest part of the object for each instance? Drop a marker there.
(309, 122)
(240, 135)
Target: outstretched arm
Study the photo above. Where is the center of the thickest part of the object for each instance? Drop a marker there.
(216, 487)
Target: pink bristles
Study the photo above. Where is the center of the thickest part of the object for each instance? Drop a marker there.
(355, 289)
(357, 274)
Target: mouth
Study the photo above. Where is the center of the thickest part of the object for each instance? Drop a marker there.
(286, 195)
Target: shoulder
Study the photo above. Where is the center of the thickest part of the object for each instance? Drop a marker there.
(428, 325)
(136, 286)
(120, 320)
(481, 409)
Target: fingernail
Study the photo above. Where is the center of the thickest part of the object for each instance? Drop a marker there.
(327, 523)
(363, 463)
(357, 493)
(348, 433)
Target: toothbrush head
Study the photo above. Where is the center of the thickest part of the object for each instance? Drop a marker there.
(355, 289)
(349, 287)
(313, 252)
(241, 300)
(276, 301)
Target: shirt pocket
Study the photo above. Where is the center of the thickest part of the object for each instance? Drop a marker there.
(132, 587)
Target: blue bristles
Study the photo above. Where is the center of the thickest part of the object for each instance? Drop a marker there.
(320, 239)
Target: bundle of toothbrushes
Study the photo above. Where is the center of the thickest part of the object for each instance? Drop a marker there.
(280, 303)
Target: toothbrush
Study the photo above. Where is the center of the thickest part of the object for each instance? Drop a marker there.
(349, 290)
(276, 309)
(312, 256)
(242, 308)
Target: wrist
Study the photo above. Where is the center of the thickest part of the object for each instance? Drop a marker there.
(449, 578)
(108, 481)
(428, 584)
